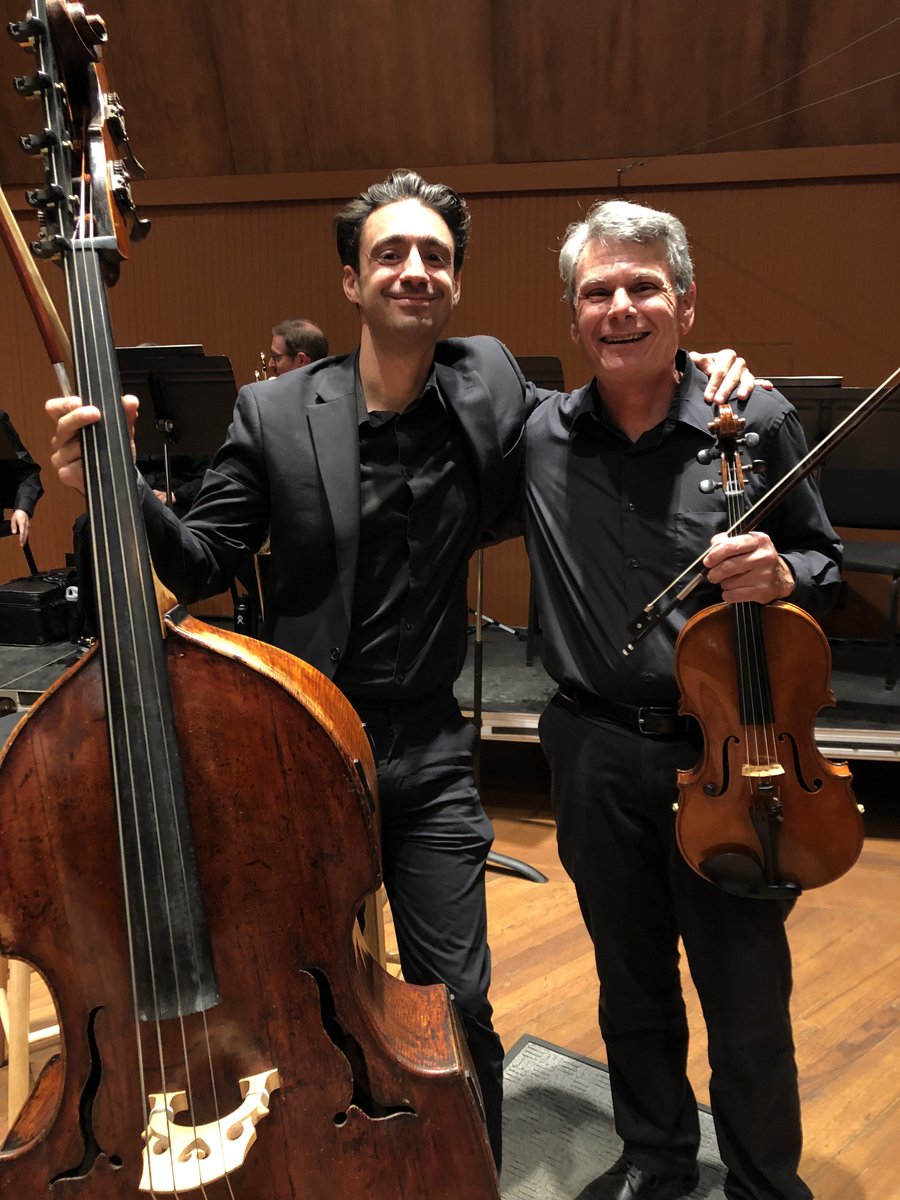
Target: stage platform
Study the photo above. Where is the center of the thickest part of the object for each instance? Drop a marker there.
(865, 723)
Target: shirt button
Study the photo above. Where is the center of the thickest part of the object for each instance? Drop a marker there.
(630, 507)
(407, 624)
(647, 677)
(400, 677)
(635, 562)
(335, 654)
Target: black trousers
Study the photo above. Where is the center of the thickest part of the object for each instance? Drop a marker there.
(435, 842)
(613, 791)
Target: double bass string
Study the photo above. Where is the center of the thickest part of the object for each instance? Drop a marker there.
(113, 637)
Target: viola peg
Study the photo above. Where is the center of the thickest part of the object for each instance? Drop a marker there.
(708, 486)
(30, 85)
(749, 440)
(758, 466)
(34, 143)
(706, 455)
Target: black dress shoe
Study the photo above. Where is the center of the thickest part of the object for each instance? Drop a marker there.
(625, 1181)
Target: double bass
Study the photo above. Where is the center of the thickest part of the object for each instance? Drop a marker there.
(188, 830)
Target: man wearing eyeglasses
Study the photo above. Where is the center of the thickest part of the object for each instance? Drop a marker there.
(295, 343)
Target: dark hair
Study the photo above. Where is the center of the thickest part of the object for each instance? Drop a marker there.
(300, 334)
(402, 185)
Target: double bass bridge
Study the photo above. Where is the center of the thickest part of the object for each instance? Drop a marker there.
(181, 1158)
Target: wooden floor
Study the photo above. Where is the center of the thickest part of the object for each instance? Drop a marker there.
(846, 1005)
(846, 945)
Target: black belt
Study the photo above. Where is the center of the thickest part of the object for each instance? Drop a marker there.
(651, 720)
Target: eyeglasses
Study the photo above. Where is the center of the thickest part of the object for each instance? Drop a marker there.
(273, 357)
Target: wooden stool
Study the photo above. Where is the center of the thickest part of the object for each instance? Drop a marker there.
(15, 1007)
(15, 1016)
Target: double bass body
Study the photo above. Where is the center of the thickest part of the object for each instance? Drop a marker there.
(371, 1092)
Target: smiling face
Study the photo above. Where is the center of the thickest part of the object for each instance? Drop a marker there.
(628, 319)
(405, 287)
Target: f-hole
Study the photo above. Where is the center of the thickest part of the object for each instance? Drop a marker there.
(344, 1041)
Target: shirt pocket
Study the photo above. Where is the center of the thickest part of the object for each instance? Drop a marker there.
(693, 534)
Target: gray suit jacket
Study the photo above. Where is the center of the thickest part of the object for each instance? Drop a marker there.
(290, 469)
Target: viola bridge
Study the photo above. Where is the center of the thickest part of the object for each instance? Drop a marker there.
(182, 1158)
(762, 770)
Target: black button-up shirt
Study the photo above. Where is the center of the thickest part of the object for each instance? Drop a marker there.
(418, 498)
(610, 523)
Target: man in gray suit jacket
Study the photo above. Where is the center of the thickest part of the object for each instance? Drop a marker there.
(376, 475)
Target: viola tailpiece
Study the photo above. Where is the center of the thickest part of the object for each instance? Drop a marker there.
(763, 814)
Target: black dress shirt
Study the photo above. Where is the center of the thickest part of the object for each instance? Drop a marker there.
(610, 523)
(418, 499)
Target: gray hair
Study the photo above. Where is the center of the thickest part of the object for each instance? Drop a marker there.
(622, 221)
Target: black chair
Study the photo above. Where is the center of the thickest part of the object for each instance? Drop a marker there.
(860, 484)
(860, 481)
(6, 531)
(860, 499)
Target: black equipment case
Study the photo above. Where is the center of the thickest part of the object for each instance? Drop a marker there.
(33, 610)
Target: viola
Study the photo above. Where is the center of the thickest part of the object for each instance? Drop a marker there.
(763, 813)
(188, 829)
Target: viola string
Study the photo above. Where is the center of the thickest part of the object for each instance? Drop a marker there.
(732, 487)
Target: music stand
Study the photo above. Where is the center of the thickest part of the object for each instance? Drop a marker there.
(12, 471)
(191, 397)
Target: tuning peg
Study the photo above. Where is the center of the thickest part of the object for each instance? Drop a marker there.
(706, 455)
(48, 247)
(749, 440)
(23, 31)
(28, 85)
(45, 197)
(758, 466)
(34, 143)
(708, 486)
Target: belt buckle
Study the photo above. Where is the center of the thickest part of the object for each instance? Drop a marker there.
(648, 714)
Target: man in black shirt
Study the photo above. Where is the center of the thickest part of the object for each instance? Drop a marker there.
(614, 513)
(377, 475)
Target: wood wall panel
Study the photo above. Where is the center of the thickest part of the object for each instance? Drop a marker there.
(795, 275)
(221, 89)
(647, 79)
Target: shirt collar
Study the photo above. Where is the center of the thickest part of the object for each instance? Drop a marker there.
(431, 387)
(688, 406)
